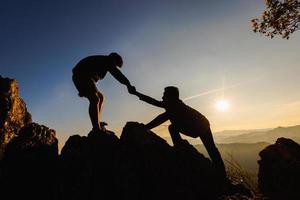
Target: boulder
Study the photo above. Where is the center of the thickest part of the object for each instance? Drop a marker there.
(33, 139)
(279, 170)
(87, 166)
(13, 112)
(30, 164)
(163, 171)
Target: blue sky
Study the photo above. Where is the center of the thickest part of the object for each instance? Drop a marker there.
(199, 46)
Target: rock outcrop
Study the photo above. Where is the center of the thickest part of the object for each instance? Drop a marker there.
(13, 112)
(279, 170)
(29, 165)
(140, 165)
(87, 166)
(167, 172)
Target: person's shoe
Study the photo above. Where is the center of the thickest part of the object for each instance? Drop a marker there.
(102, 126)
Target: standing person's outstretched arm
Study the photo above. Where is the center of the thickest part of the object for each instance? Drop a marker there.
(149, 100)
(117, 74)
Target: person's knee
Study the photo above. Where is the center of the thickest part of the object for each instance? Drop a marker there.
(100, 97)
(94, 98)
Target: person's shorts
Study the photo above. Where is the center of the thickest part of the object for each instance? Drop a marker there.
(85, 85)
(195, 127)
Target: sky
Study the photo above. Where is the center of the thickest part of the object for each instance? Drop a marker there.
(205, 48)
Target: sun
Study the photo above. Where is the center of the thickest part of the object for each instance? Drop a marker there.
(222, 105)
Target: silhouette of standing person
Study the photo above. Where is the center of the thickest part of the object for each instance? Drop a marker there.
(185, 120)
(85, 75)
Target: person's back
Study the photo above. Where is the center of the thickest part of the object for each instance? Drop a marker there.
(187, 118)
(94, 67)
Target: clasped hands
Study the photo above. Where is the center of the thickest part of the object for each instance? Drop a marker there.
(132, 89)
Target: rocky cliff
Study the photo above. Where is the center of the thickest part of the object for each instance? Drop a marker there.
(13, 112)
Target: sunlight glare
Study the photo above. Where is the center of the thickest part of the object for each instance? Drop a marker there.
(222, 105)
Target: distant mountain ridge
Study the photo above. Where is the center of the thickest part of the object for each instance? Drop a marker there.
(240, 132)
(254, 136)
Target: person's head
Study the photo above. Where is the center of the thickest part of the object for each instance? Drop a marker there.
(171, 94)
(117, 59)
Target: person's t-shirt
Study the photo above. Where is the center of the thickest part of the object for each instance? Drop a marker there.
(94, 67)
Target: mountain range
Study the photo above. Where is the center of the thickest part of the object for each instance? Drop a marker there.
(258, 135)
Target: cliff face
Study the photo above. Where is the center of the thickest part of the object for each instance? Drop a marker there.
(13, 112)
(28, 151)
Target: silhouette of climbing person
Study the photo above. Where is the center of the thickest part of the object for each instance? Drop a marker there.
(87, 72)
(185, 120)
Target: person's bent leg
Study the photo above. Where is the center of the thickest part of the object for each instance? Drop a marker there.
(101, 102)
(213, 152)
(94, 111)
(175, 135)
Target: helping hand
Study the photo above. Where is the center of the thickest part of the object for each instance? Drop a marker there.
(131, 89)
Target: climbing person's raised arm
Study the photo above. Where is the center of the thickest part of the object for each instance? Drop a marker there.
(149, 100)
(117, 74)
(157, 121)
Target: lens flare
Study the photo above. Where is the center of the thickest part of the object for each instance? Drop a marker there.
(222, 105)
